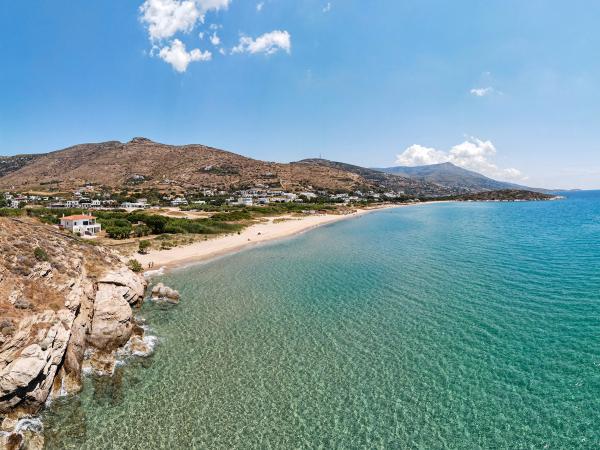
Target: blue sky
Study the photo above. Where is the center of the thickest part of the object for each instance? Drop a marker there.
(510, 88)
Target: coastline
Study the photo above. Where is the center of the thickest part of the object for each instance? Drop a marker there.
(275, 228)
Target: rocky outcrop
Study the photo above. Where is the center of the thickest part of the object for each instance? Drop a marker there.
(112, 323)
(164, 294)
(78, 302)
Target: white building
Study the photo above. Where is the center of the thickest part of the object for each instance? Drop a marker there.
(246, 201)
(72, 203)
(179, 201)
(82, 224)
(134, 205)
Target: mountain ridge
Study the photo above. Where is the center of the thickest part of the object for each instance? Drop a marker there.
(146, 164)
(451, 175)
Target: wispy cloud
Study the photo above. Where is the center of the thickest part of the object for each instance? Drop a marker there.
(215, 39)
(267, 43)
(327, 7)
(482, 92)
(260, 6)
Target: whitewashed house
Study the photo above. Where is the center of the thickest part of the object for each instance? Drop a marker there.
(83, 224)
(179, 201)
(245, 201)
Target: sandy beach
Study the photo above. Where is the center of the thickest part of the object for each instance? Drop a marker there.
(272, 229)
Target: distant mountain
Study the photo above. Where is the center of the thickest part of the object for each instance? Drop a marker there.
(453, 177)
(387, 181)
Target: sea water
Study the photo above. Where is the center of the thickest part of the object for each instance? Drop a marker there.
(458, 325)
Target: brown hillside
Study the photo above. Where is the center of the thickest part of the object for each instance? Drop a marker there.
(163, 166)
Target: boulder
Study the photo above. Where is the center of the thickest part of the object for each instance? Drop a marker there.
(112, 322)
(164, 294)
(135, 284)
(30, 359)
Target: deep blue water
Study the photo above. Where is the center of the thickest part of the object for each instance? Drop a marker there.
(465, 325)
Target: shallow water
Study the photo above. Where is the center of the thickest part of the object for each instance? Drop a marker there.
(442, 326)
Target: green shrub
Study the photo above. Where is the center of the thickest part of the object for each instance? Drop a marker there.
(40, 254)
(118, 232)
(10, 212)
(135, 265)
(143, 246)
(141, 230)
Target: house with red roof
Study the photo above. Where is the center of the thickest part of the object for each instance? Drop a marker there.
(82, 224)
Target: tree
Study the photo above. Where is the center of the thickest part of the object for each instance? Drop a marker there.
(156, 223)
(143, 247)
(118, 232)
(141, 230)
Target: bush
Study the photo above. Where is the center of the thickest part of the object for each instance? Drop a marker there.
(143, 246)
(40, 254)
(135, 265)
(117, 232)
(10, 212)
(156, 223)
(141, 230)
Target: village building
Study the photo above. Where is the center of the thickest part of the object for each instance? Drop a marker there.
(83, 224)
(179, 201)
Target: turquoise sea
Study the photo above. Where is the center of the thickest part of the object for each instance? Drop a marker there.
(465, 325)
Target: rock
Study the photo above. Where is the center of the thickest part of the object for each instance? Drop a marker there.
(102, 363)
(41, 270)
(135, 284)
(8, 424)
(164, 294)
(138, 347)
(112, 320)
(52, 315)
(23, 303)
(29, 361)
(23, 370)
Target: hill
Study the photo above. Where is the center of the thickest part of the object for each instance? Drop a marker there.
(147, 164)
(385, 181)
(143, 164)
(453, 177)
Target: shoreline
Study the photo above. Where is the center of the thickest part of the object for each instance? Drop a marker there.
(272, 230)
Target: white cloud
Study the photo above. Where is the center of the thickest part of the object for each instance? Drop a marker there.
(473, 154)
(417, 155)
(268, 43)
(215, 39)
(177, 55)
(482, 92)
(327, 7)
(165, 18)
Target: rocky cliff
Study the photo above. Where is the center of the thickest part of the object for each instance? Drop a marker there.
(64, 304)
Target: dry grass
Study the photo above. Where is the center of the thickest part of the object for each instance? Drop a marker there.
(28, 284)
